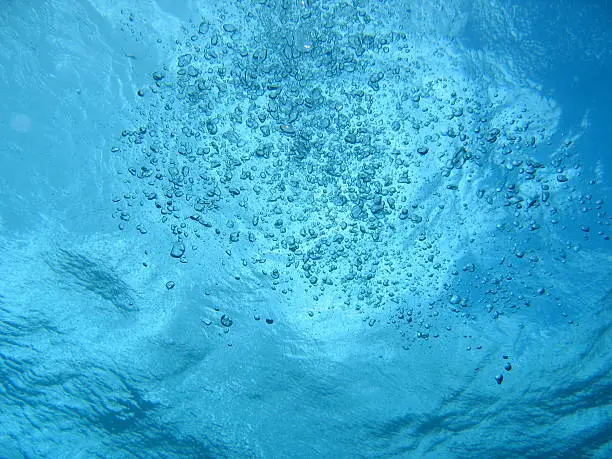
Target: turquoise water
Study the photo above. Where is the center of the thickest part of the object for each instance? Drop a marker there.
(305, 229)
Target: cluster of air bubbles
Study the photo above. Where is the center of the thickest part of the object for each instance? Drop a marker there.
(342, 162)
(499, 378)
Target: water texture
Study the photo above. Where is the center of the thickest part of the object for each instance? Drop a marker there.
(303, 228)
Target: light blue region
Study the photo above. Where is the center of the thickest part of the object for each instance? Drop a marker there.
(305, 229)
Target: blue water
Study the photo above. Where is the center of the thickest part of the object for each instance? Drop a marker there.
(305, 229)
